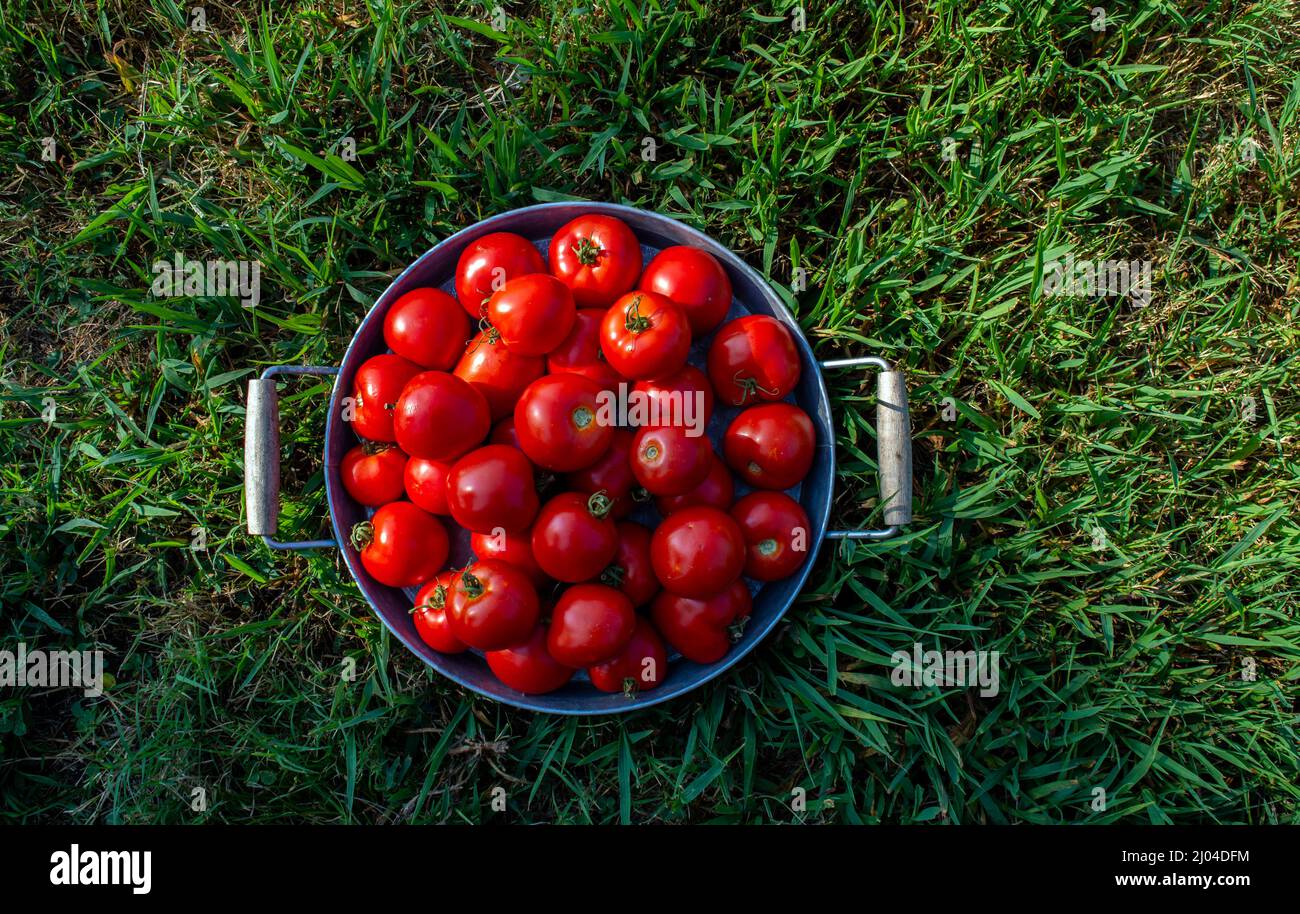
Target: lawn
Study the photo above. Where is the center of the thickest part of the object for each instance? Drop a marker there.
(1106, 484)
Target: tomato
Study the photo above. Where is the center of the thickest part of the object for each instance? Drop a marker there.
(426, 484)
(504, 431)
(639, 667)
(697, 552)
(574, 538)
(493, 606)
(777, 534)
(533, 314)
(513, 549)
(683, 398)
(703, 630)
(401, 546)
(490, 488)
(645, 336)
(611, 474)
(430, 615)
(372, 473)
(375, 390)
(427, 327)
(669, 460)
(771, 446)
(696, 283)
(440, 416)
(529, 667)
(489, 263)
(598, 257)
(590, 624)
(631, 570)
(497, 373)
(579, 352)
(753, 358)
(717, 491)
(557, 422)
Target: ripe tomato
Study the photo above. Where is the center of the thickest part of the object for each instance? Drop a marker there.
(533, 314)
(645, 336)
(683, 398)
(669, 461)
(598, 257)
(401, 546)
(579, 352)
(489, 263)
(504, 431)
(426, 484)
(703, 630)
(490, 488)
(440, 416)
(697, 552)
(611, 474)
(631, 570)
(558, 423)
(529, 667)
(640, 666)
(771, 446)
(375, 390)
(372, 473)
(753, 358)
(777, 534)
(590, 624)
(717, 491)
(696, 283)
(427, 327)
(513, 549)
(493, 606)
(496, 372)
(430, 615)
(574, 538)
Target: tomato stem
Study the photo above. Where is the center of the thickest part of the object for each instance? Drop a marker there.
(473, 586)
(588, 252)
(736, 630)
(629, 687)
(362, 535)
(600, 504)
(749, 387)
(633, 319)
(371, 448)
(613, 576)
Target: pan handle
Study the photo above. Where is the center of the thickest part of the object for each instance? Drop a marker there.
(262, 455)
(893, 449)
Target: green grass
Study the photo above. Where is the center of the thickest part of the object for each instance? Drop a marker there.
(1099, 503)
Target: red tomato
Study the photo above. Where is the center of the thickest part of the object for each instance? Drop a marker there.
(440, 416)
(529, 667)
(611, 474)
(489, 263)
(372, 473)
(717, 491)
(375, 390)
(513, 549)
(631, 571)
(533, 314)
(777, 534)
(497, 373)
(683, 398)
(771, 446)
(427, 327)
(504, 431)
(598, 257)
(645, 336)
(426, 484)
(430, 615)
(579, 352)
(574, 538)
(590, 624)
(703, 630)
(697, 552)
(490, 488)
(640, 666)
(559, 425)
(753, 358)
(669, 461)
(401, 546)
(493, 606)
(696, 283)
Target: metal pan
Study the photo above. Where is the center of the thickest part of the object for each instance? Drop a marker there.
(751, 295)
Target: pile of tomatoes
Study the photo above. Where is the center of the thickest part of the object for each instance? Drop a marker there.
(490, 413)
